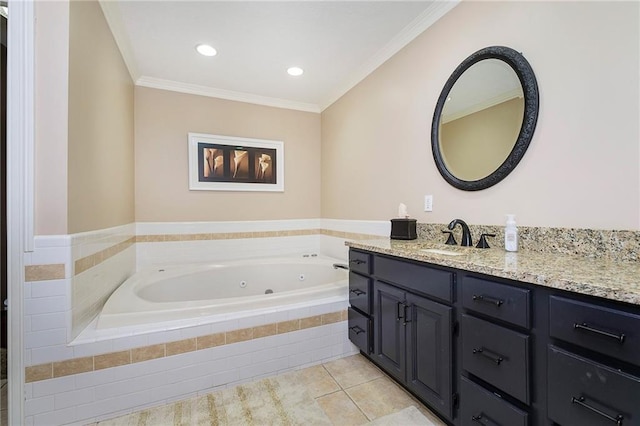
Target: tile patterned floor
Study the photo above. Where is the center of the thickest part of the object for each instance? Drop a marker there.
(350, 391)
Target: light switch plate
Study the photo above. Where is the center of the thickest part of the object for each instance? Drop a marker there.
(428, 203)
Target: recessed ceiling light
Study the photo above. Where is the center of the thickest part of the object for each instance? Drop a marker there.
(206, 50)
(295, 71)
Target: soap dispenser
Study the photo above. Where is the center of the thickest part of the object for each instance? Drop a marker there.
(511, 234)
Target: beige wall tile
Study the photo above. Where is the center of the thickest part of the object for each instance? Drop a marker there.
(181, 346)
(35, 373)
(239, 335)
(288, 326)
(331, 318)
(264, 330)
(44, 272)
(72, 366)
(309, 322)
(113, 359)
(147, 353)
(204, 342)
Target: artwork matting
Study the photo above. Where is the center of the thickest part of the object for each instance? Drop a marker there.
(228, 163)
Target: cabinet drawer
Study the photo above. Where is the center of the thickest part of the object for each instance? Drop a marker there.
(497, 355)
(419, 278)
(583, 392)
(359, 330)
(500, 301)
(478, 406)
(608, 331)
(360, 292)
(360, 262)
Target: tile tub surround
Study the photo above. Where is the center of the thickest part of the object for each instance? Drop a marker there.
(600, 277)
(97, 362)
(159, 374)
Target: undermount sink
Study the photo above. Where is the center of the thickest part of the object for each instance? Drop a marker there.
(445, 252)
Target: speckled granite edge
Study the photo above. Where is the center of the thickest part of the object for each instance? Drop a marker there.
(600, 277)
(591, 243)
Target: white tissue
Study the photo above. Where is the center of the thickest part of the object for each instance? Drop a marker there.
(402, 211)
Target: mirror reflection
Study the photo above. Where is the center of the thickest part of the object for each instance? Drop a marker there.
(481, 119)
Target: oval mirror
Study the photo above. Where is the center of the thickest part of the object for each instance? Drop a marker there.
(485, 118)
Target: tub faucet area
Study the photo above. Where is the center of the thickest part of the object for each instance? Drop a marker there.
(466, 234)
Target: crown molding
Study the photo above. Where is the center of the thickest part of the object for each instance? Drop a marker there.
(113, 17)
(433, 13)
(194, 89)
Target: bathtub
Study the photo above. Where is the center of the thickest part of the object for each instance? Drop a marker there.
(172, 293)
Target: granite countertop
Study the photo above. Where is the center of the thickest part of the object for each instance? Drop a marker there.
(609, 279)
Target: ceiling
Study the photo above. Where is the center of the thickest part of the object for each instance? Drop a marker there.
(337, 43)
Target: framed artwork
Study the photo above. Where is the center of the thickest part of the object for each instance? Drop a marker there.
(226, 163)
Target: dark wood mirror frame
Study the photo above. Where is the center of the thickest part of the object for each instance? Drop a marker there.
(531, 105)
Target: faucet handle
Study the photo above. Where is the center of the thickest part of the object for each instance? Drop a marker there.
(483, 240)
(451, 240)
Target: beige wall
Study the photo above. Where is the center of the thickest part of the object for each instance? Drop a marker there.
(51, 127)
(163, 119)
(100, 151)
(582, 168)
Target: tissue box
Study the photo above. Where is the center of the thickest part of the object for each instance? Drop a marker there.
(403, 229)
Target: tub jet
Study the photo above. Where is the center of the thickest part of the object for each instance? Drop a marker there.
(268, 291)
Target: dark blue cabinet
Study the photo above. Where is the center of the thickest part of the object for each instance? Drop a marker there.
(525, 355)
(412, 336)
(429, 371)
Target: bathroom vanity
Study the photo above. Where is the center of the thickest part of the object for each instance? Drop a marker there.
(485, 337)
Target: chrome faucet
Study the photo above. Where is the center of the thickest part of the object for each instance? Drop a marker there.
(466, 234)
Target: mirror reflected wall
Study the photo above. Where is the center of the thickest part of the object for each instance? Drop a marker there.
(485, 118)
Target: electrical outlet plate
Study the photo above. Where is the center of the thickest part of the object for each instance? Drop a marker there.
(428, 203)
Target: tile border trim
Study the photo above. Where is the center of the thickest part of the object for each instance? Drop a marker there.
(47, 272)
(57, 369)
(95, 259)
(56, 271)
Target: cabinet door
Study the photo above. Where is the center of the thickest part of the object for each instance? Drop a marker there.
(389, 328)
(429, 354)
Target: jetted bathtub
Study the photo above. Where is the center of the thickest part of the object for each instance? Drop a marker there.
(192, 291)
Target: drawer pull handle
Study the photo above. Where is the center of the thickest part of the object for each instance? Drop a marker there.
(483, 420)
(580, 401)
(488, 299)
(398, 315)
(356, 329)
(482, 351)
(357, 261)
(357, 291)
(619, 337)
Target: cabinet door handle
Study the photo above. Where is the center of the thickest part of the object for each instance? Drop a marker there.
(357, 261)
(357, 329)
(619, 337)
(483, 420)
(482, 351)
(405, 316)
(581, 401)
(488, 299)
(357, 291)
(398, 315)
